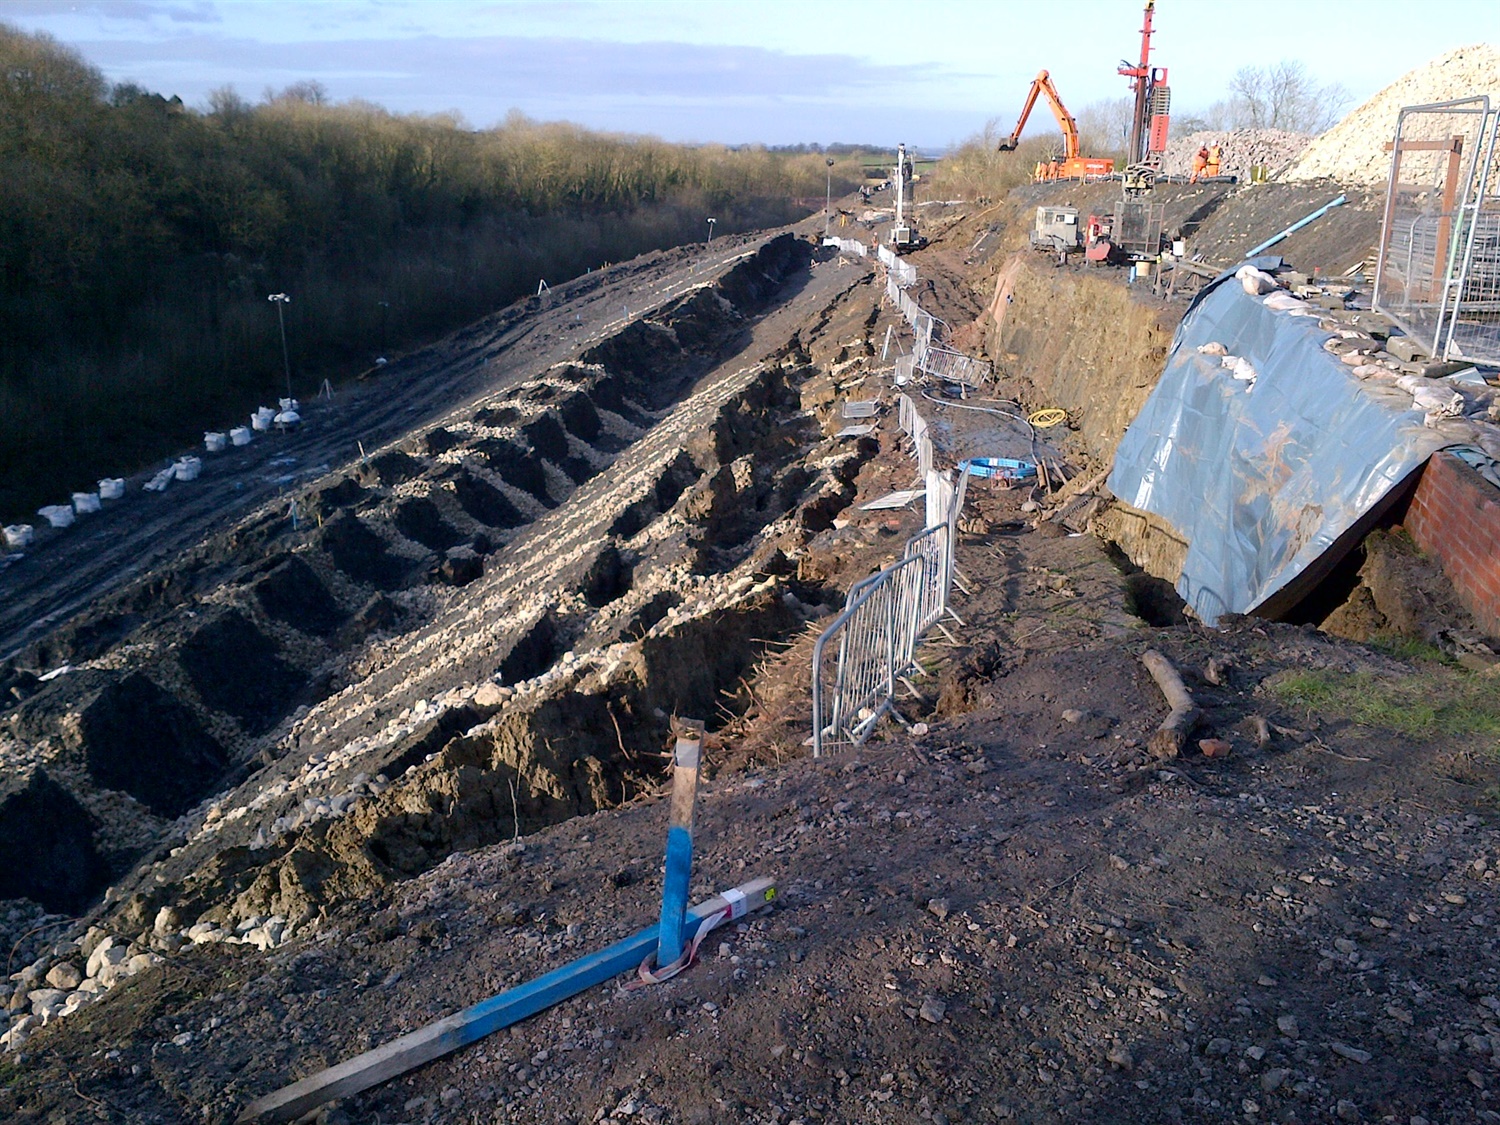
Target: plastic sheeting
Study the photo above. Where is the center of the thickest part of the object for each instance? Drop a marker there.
(1262, 477)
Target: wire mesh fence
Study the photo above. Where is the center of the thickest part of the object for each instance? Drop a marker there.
(1438, 270)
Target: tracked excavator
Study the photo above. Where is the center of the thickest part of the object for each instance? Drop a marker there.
(1071, 166)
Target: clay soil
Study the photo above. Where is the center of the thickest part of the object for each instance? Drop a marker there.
(1006, 910)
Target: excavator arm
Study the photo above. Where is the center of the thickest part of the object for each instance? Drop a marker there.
(1042, 85)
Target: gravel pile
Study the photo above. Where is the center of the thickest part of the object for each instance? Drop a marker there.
(1352, 152)
(1275, 148)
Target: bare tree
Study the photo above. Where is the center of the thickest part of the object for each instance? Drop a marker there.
(1283, 96)
(309, 91)
(1104, 126)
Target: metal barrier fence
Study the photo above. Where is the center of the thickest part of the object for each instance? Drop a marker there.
(955, 366)
(877, 634)
(933, 545)
(848, 246)
(903, 273)
(944, 363)
(886, 614)
(935, 360)
(1438, 271)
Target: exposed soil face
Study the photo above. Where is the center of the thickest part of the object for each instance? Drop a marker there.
(1011, 912)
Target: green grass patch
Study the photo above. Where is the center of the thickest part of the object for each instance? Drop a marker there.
(1424, 705)
(1410, 648)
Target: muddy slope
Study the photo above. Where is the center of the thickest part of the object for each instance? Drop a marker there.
(206, 669)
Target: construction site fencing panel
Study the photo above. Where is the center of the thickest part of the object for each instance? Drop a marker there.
(921, 441)
(941, 492)
(933, 545)
(1438, 270)
(859, 657)
(848, 246)
(906, 410)
(954, 366)
(886, 614)
(902, 273)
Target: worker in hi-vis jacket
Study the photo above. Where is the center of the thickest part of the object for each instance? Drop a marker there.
(1200, 162)
(1215, 160)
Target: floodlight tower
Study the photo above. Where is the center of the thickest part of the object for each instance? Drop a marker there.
(828, 198)
(281, 301)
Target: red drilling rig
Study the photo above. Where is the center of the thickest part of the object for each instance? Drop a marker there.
(1153, 107)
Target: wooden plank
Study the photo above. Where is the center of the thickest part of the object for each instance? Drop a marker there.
(1452, 144)
(679, 861)
(446, 1035)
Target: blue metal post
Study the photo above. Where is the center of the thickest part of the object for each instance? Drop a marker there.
(679, 866)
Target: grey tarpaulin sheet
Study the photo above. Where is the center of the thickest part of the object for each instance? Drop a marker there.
(1261, 483)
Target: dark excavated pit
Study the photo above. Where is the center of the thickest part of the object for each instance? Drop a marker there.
(391, 468)
(532, 653)
(440, 440)
(324, 502)
(362, 555)
(47, 849)
(646, 355)
(579, 417)
(517, 467)
(704, 323)
(236, 669)
(420, 521)
(80, 640)
(136, 737)
(548, 439)
(675, 479)
(459, 567)
(650, 612)
(484, 502)
(294, 595)
(608, 395)
(498, 416)
(377, 615)
(608, 578)
(689, 670)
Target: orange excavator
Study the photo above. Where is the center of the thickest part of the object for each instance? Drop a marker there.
(1071, 166)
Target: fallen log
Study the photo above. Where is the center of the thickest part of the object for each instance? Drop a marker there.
(1173, 733)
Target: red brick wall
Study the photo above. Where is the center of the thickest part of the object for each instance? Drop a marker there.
(1455, 517)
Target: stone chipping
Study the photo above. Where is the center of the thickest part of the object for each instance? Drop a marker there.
(1353, 151)
(1243, 149)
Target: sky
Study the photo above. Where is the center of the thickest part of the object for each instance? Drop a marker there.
(929, 73)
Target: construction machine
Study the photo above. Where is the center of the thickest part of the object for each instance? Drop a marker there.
(1153, 106)
(1056, 230)
(1071, 166)
(903, 232)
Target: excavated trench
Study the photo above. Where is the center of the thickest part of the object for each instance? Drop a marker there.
(605, 520)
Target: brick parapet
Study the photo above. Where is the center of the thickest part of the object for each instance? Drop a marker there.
(1454, 516)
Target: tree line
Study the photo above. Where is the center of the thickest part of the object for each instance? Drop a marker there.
(140, 238)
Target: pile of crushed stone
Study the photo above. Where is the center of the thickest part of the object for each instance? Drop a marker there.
(1243, 148)
(1353, 151)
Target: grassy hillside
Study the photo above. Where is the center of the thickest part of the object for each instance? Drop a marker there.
(140, 238)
